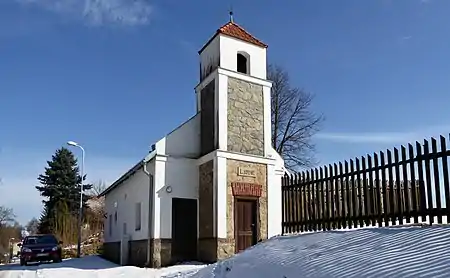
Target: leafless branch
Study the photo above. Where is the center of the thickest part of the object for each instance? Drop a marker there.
(97, 188)
(6, 215)
(96, 203)
(293, 121)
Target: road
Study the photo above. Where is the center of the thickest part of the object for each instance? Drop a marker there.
(90, 267)
(83, 268)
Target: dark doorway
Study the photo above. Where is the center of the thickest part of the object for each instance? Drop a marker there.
(245, 223)
(242, 63)
(184, 230)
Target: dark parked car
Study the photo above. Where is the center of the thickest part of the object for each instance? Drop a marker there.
(40, 248)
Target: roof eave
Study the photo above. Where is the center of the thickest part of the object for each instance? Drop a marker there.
(130, 172)
(260, 44)
(208, 42)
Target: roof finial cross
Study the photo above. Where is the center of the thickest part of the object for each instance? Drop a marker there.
(231, 14)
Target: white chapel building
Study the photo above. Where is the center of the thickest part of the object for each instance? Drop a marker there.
(211, 187)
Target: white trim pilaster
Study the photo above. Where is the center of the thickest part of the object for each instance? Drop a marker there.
(221, 197)
(159, 182)
(222, 113)
(215, 196)
(267, 121)
(274, 208)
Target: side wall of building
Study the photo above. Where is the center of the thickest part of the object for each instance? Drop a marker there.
(174, 178)
(183, 141)
(127, 213)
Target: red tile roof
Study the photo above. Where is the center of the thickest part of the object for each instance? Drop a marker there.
(233, 30)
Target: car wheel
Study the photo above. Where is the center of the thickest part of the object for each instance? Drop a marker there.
(58, 260)
(22, 263)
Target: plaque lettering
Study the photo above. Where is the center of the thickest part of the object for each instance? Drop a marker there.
(246, 189)
(246, 172)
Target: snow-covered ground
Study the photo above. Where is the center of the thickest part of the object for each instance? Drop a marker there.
(373, 252)
(88, 267)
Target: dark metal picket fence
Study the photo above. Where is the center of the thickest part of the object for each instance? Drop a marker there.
(386, 188)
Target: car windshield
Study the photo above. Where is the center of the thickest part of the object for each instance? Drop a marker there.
(40, 240)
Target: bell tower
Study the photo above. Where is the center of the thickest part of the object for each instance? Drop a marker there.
(233, 71)
(234, 49)
(236, 164)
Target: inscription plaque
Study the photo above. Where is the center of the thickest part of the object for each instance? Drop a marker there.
(246, 172)
(246, 189)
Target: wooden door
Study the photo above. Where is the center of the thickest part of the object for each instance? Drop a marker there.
(245, 223)
(184, 229)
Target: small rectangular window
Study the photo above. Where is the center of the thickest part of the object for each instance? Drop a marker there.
(138, 217)
(110, 224)
(115, 218)
(124, 228)
(242, 62)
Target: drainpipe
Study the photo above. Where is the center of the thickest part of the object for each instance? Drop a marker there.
(150, 211)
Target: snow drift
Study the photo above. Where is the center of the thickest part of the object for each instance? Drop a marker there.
(374, 252)
(370, 252)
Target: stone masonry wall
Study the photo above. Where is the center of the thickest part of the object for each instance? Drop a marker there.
(160, 249)
(206, 250)
(111, 251)
(161, 252)
(138, 252)
(226, 246)
(245, 117)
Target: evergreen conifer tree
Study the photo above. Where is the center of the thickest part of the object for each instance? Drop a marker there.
(60, 187)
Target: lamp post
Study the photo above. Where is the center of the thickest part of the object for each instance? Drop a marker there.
(80, 213)
(11, 249)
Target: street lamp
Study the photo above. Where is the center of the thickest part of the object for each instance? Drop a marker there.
(11, 249)
(80, 213)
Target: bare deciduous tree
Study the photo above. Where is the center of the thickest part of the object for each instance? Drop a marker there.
(293, 121)
(96, 204)
(32, 226)
(98, 188)
(6, 215)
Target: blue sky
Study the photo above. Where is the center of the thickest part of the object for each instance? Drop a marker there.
(116, 75)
